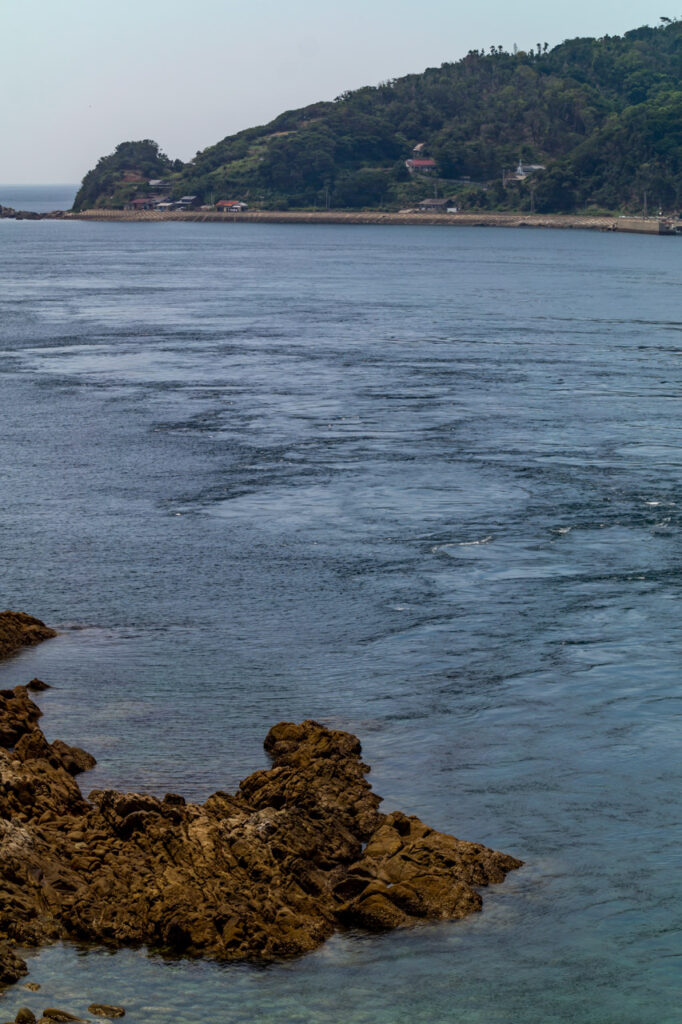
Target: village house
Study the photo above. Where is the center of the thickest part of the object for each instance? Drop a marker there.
(434, 205)
(420, 166)
(231, 206)
(187, 202)
(141, 204)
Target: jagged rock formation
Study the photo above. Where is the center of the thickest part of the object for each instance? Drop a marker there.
(268, 872)
(17, 630)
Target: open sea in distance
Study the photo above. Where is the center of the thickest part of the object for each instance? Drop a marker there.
(419, 484)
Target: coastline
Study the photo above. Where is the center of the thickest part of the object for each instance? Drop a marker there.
(580, 222)
(298, 852)
(650, 225)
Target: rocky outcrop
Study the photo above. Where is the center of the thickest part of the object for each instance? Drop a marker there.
(7, 212)
(268, 872)
(17, 630)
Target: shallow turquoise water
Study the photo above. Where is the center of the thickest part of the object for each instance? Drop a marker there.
(416, 483)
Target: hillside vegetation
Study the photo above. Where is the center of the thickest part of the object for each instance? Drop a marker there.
(603, 115)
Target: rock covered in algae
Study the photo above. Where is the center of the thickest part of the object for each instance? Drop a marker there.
(267, 872)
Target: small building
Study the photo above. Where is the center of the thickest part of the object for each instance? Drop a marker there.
(157, 183)
(141, 204)
(231, 206)
(421, 166)
(435, 205)
(187, 202)
(165, 207)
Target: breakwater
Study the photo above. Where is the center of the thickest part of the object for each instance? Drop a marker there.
(631, 225)
(638, 225)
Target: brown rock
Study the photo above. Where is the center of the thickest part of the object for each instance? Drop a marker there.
(73, 759)
(102, 1010)
(17, 630)
(376, 913)
(11, 966)
(60, 1016)
(269, 872)
(25, 1016)
(32, 986)
(37, 686)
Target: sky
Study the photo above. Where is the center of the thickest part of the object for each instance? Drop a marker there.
(79, 76)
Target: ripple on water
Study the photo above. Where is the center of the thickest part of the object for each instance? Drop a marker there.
(415, 483)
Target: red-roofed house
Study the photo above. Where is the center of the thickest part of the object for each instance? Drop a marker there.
(420, 166)
(231, 206)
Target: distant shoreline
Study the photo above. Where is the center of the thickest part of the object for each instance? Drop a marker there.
(637, 225)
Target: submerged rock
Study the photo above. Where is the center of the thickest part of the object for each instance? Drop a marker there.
(268, 872)
(37, 686)
(102, 1010)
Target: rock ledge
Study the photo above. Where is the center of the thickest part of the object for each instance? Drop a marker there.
(17, 630)
(268, 872)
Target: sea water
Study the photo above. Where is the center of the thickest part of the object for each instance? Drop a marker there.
(418, 483)
(38, 198)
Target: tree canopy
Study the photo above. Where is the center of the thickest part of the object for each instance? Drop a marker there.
(604, 116)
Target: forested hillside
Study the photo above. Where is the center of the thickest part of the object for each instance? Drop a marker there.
(604, 116)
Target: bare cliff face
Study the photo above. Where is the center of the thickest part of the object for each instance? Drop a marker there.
(268, 872)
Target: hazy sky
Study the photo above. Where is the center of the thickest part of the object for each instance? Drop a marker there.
(79, 76)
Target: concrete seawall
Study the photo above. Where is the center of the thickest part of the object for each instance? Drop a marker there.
(366, 217)
(648, 225)
(637, 225)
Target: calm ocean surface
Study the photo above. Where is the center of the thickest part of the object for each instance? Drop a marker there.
(38, 198)
(422, 484)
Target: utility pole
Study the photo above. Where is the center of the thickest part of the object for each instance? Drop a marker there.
(645, 204)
